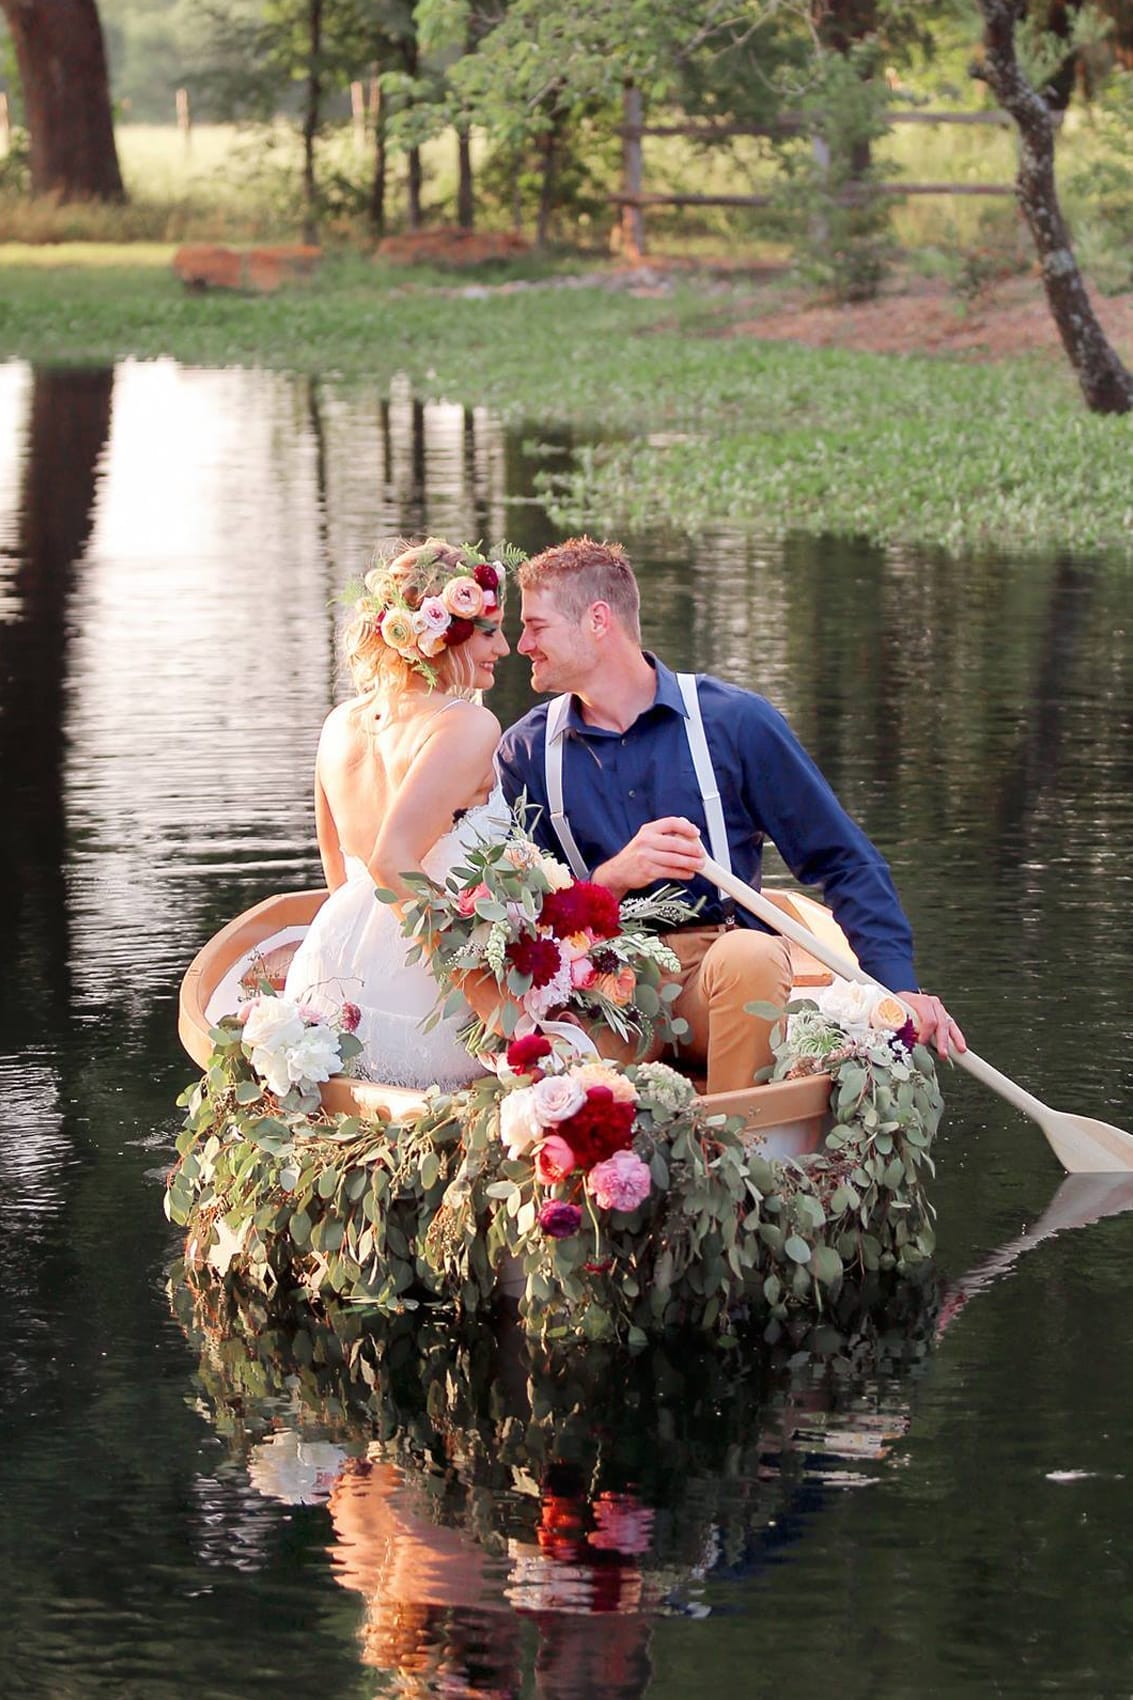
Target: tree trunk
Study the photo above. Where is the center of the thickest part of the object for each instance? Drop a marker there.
(465, 199)
(1106, 385)
(549, 149)
(62, 63)
(378, 186)
(312, 114)
(413, 185)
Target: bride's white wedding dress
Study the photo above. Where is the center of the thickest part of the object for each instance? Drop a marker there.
(354, 952)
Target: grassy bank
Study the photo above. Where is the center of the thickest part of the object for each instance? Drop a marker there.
(688, 424)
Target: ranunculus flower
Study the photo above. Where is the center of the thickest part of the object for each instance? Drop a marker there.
(556, 874)
(523, 1053)
(582, 907)
(520, 1127)
(463, 597)
(619, 1086)
(621, 1182)
(559, 1221)
(888, 1014)
(432, 616)
(488, 576)
(272, 1022)
(554, 1160)
(397, 630)
(557, 1098)
(314, 1057)
(619, 987)
(350, 1017)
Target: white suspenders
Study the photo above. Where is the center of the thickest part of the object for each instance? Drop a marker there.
(701, 761)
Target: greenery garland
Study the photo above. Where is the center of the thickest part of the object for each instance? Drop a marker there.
(433, 1208)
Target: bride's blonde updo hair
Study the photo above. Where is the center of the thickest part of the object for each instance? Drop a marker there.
(417, 607)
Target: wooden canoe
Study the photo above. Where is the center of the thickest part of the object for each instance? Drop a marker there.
(788, 1117)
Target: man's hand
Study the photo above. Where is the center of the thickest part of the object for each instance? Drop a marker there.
(666, 849)
(934, 1024)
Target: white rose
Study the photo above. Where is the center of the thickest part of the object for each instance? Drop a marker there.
(847, 1002)
(314, 1057)
(520, 1127)
(433, 615)
(557, 1097)
(273, 1021)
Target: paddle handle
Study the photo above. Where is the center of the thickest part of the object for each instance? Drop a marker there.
(848, 969)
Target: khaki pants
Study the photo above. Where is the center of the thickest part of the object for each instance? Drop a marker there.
(722, 969)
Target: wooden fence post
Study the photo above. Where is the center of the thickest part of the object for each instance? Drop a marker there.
(633, 214)
(358, 116)
(184, 116)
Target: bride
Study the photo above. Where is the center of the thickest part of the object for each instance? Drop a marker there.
(404, 783)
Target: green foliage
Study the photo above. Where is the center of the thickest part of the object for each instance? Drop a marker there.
(1099, 192)
(842, 219)
(434, 1207)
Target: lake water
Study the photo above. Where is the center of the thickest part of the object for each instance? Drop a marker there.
(193, 1507)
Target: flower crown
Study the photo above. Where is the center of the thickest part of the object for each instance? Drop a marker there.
(422, 602)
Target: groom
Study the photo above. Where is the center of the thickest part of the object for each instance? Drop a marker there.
(635, 768)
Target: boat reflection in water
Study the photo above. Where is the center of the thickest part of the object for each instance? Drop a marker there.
(510, 1519)
(479, 1491)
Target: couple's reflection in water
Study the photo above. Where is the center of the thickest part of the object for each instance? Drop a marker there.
(514, 1523)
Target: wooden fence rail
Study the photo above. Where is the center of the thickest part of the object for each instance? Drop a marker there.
(633, 198)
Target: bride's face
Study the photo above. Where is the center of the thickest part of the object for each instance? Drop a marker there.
(483, 650)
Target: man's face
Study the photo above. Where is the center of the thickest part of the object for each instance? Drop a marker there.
(562, 652)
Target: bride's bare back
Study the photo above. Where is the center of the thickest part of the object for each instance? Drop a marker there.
(390, 775)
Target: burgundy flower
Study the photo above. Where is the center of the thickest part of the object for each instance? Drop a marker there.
(906, 1035)
(603, 1125)
(559, 1221)
(521, 1054)
(487, 577)
(350, 1017)
(535, 956)
(458, 631)
(583, 906)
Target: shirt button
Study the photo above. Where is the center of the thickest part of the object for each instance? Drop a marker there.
(632, 793)
(623, 743)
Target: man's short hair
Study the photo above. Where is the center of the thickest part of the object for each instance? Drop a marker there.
(580, 572)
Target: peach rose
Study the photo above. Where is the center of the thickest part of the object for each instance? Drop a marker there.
(463, 597)
(621, 1089)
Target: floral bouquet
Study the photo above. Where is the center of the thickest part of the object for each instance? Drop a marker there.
(555, 947)
(292, 1047)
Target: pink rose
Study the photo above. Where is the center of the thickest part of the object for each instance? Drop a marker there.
(557, 1097)
(559, 1221)
(309, 1014)
(621, 1182)
(583, 974)
(554, 1160)
(470, 897)
(463, 597)
(244, 1010)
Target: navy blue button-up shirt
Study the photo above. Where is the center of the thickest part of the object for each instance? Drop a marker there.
(614, 782)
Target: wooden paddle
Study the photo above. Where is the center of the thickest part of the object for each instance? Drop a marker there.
(1082, 1145)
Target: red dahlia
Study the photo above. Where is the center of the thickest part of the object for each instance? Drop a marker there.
(582, 906)
(535, 956)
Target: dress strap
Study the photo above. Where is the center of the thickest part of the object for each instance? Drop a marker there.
(705, 773)
(553, 739)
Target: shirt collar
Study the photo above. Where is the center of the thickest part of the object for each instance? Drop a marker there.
(668, 696)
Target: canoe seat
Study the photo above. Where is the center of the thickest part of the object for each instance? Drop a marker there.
(806, 970)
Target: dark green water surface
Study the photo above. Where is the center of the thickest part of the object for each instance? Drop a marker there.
(217, 1508)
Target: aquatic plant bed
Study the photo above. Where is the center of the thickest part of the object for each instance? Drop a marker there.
(690, 421)
(691, 1226)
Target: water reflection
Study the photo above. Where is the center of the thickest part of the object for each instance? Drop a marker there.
(476, 1491)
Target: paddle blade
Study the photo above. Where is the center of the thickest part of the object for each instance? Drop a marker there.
(1087, 1147)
